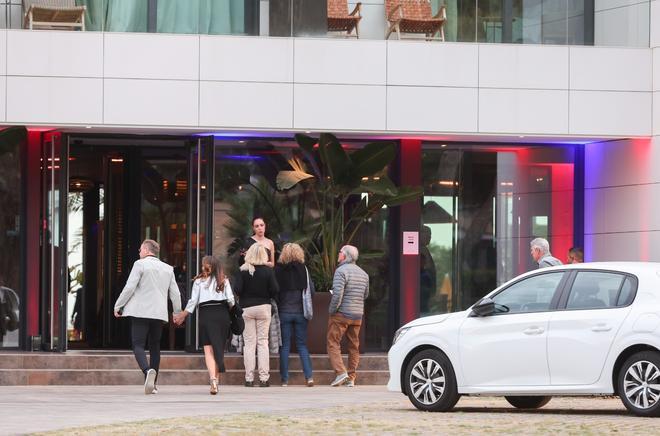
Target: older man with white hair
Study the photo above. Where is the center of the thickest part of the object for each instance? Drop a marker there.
(350, 287)
(540, 251)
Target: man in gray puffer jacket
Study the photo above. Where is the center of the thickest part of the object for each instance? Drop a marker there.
(350, 287)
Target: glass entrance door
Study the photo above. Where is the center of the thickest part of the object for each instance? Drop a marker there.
(123, 191)
(200, 235)
(54, 274)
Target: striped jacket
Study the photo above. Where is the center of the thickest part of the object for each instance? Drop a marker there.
(350, 287)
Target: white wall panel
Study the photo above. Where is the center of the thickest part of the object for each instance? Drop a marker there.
(151, 56)
(3, 52)
(521, 111)
(600, 5)
(655, 24)
(644, 246)
(418, 109)
(372, 24)
(339, 61)
(150, 102)
(610, 69)
(629, 208)
(246, 59)
(523, 66)
(339, 107)
(68, 54)
(627, 26)
(54, 100)
(234, 104)
(626, 162)
(610, 113)
(423, 63)
(656, 68)
(656, 113)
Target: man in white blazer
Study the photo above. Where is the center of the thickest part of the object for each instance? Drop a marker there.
(144, 299)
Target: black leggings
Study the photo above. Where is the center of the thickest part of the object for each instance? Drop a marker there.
(143, 329)
(214, 330)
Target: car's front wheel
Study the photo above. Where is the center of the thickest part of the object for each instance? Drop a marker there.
(639, 383)
(430, 382)
(528, 402)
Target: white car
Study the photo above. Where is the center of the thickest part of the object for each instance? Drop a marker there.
(584, 329)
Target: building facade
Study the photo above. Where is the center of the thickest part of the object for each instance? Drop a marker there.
(171, 119)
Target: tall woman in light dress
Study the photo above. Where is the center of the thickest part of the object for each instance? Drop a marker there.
(259, 237)
(212, 293)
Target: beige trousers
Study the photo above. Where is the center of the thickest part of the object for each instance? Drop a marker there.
(255, 336)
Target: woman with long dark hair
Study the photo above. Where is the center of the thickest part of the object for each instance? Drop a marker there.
(212, 292)
(259, 237)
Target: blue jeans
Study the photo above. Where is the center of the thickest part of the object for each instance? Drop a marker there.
(297, 323)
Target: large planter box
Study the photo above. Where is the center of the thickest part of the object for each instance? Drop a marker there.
(317, 329)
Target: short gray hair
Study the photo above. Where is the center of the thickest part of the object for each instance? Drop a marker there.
(350, 252)
(542, 244)
(152, 246)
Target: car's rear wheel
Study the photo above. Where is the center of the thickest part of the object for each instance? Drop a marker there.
(528, 402)
(430, 382)
(639, 383)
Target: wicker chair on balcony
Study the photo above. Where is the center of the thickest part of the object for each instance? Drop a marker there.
(415, 16)
(339, 20)
(53, 14)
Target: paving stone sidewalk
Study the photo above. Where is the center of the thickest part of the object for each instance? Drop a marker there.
(295, 410)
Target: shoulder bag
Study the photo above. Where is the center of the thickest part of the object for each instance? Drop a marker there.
(308, 308)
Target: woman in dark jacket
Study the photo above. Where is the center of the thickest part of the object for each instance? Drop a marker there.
(292, 279)
(256, 286)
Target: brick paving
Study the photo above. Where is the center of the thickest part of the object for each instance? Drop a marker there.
(296, 410)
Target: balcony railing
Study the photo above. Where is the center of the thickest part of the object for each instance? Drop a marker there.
(562, 22)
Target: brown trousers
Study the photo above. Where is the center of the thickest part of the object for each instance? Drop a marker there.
(338, 325)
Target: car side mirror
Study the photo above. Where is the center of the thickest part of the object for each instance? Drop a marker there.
(485, 307)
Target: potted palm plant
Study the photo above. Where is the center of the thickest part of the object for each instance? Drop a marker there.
(335, 178)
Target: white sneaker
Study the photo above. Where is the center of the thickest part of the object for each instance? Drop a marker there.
(350, 384)
(340, 379)
(150, 382)
(155, 391)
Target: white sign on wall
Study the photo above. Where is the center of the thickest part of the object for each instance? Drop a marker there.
(410, 243)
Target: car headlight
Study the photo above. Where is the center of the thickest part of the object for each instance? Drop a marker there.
(399, 334)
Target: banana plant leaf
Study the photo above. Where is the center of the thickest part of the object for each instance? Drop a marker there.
(373, 158)
(338, 164)
(288, 179)
(10, 136)
(382, 186)
(305, 142)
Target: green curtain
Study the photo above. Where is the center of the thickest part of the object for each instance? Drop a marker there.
(451, 26)
(222, 17)
(213, 17)
(93, 14)
(126, 16)
(178, 16)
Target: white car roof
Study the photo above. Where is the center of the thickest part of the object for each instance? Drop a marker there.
(635, 268)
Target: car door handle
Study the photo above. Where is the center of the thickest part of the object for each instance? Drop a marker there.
(601, 328)
(533, 330)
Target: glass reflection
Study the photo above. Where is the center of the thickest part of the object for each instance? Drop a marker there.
(11, 141)
(481, 208)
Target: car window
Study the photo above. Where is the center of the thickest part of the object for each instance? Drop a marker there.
(594, 290)
(533, 294)
(627, 294)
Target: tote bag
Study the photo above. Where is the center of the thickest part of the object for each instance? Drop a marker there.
(308, 309)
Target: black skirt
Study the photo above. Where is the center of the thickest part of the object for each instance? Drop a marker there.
(214, 329)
